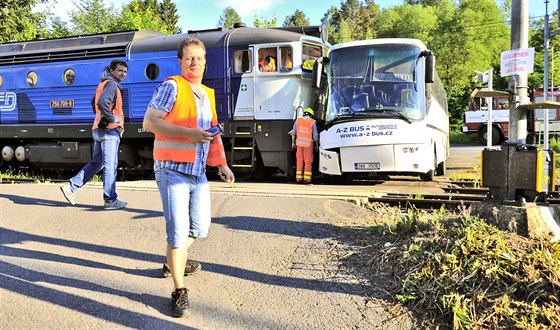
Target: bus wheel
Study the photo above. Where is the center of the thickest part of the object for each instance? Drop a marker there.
(429, 176)
(496, 135)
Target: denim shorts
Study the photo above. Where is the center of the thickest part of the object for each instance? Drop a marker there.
(186, 205)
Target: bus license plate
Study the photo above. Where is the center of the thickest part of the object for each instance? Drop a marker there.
(367, 166)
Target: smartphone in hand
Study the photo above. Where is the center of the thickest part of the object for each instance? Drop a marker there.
(215, 130)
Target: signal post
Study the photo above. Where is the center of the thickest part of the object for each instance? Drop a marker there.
(519, 176)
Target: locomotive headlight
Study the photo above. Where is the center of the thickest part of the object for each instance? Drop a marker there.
(408, 150)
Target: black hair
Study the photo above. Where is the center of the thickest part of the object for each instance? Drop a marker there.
(114, 64)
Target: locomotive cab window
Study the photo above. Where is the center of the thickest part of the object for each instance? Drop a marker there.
(152, 71)
(268, 59)
(242, 61)
(286, 59)
(310, 54)
(274, 59)
(32, 78)
(69, 76)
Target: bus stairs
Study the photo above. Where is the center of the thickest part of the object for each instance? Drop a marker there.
(242, 152)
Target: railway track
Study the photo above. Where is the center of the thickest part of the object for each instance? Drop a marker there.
(457, 196)
(450, 202)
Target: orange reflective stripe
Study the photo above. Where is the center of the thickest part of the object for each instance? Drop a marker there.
(178, 145)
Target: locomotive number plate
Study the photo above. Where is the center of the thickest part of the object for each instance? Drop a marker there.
(62, 104)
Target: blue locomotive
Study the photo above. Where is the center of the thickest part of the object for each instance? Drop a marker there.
(46, 88)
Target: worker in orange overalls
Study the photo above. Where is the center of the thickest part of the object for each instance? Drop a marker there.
(304, 140)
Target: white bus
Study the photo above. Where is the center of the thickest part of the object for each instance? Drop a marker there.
(386, 110)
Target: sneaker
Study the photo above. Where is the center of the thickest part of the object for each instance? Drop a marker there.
(191, 268)
(180, 302)
(115, 205)
(68, 194)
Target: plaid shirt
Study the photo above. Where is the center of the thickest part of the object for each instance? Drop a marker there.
(163, 99)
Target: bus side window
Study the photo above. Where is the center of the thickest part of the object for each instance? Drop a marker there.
(242, 61)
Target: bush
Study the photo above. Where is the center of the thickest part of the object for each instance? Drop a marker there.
(458, 137)
(462, 273)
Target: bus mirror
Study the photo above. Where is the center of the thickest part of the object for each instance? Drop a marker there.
(317, 70)
(430, 67)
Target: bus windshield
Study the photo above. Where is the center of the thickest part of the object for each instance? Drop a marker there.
(376, 81)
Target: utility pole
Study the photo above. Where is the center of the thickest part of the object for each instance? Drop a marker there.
(490, 101)
(518, 173)
(518, 84)
(547, 36)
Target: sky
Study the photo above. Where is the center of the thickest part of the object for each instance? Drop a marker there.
(205, 14)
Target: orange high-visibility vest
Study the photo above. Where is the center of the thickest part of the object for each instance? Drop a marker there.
(117, 108)
(185, 113)
(304, 132)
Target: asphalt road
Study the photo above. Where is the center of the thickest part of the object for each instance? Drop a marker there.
(270, 262)
(462, 157)
(273, 259)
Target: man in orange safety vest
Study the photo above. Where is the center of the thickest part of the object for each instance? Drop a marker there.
(304, 140)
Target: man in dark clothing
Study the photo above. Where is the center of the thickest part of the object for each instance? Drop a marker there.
(107, 130)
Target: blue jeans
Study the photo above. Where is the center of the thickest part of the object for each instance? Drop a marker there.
(186, 205)
(105, 157)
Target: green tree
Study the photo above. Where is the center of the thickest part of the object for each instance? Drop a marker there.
(228, 18)
(469, 37)
(57, 28)
(370, 15)
(264, 23)
(167, 11)
(425, 3)
(149, 15)
(360, 20)
(343, 34)
(17, 21)
(92, 16)
(296, 19)
(408, 21)
(536, 40)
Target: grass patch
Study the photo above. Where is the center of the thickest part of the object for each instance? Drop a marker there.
(460, 272)
(21, 174)
(458, 137)
(47, 177)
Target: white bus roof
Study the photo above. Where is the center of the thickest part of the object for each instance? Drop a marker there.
(380, 41)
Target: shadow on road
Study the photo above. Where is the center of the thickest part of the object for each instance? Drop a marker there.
(22, 200)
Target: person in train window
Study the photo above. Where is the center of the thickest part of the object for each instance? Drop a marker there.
(107, 130)
(268, 64)
(181, 111)
(271, 63)
(288, 64)
(304, 140)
